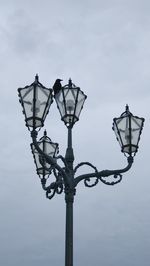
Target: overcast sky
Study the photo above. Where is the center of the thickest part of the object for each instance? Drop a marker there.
(104, 46)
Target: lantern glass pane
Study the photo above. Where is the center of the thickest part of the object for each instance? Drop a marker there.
(70, 99)
(50, 148)
(125, 132)
(60, 103)
(136, 125)
(27, 98)
(115, 128)
(39, 168)
(41, 96)
(80, 102)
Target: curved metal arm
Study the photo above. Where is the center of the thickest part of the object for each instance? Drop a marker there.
(48, 158)
(87, 182)
(105, 173)
(85, 163)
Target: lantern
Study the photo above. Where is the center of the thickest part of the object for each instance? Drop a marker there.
(128, 129)
(49, 148)
(70, 100)
(36, 101)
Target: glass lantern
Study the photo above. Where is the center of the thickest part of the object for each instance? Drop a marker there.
(128, 129)
(36, 101)
(49, 148)
(70, 100)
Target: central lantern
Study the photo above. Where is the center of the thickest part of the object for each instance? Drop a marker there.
(70, 100)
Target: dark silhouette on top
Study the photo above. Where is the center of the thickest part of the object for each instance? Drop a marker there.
(57, 86)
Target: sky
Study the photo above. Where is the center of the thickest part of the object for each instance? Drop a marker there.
(103, 46)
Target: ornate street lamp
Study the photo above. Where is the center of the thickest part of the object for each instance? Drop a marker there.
(35, 100)
(70, 100)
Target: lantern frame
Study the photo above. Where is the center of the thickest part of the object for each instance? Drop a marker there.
(32, 117)
(70, 108)
(43, 168)
(128, 137)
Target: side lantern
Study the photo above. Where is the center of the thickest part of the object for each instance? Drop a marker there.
(36, 101)
(128, 129)
(48, 147)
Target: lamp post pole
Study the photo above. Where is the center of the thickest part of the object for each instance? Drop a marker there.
(36, 100)
(69, 199)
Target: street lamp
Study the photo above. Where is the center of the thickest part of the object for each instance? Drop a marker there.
(36, 101)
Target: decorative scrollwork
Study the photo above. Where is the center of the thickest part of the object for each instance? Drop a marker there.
(87, 180)
(85, 163)
(111, 183)
(117, 177)
(102, 175)
(54, 187)
(50, 193)
(59, 189)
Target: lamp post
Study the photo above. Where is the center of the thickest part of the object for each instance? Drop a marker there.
(36, 101)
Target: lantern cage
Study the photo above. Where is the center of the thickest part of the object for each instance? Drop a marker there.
(128, 129)
(70, 100)
(48, 147)
(36, 101)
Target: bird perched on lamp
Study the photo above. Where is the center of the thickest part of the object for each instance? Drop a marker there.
(57, 86)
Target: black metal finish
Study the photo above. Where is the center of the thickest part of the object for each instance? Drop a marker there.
(67, 179)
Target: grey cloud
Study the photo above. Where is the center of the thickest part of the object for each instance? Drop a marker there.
(23, 35)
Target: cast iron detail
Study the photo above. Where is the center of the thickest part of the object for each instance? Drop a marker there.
(65, 178)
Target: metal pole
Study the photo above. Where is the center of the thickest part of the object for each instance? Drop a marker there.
(69, 152)
(69, 229)
(69, 198)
